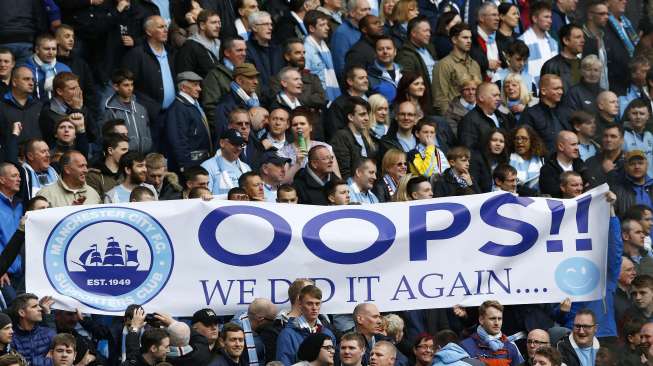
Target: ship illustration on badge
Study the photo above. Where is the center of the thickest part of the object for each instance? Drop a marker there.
(109, 257)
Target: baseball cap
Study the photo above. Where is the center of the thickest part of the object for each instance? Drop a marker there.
(205, 316)
(273, 158)
(633, 154)
(246, 69)
(233, 136)
(188, 76)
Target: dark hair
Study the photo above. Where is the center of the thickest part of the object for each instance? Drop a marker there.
(290, 41)
(310, 290)
(443, 21)
(230, 327)
(365, 22)
(312, 17)
(504, 156)
(111, 140)
(444, 337)
(614, 125)
(384, 38)
(504, 8)
(10, 359)
(589, 312)
(6, 51)
(551, 354)
(565, 32)
(519, 48)
(127, 161)
(62, 78)
(139, 192)
(415, 22)
(204, 15)
(192, 172)
(129, 311)
(457, 29)
(424, 122)
(539, 7)
(109, 125)
(152, 337)
(501, 172)
(330, 187)
(121, 75)
(296, 5)
(411, 186)
(286, 188)
(20, 303)
(351, 71)
(632, 326)
(638, 103)
(642, 281)
(537, 145)
(636, 212)
(242, 180)
(352, 102)
(44, 37)
(408, 78)
(234, 191)
(29, 206)
(198, 191)
(354, 336)
(580, 117)
(229, 43)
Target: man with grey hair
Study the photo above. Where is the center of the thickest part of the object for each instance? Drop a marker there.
(485, 50)
(153, 68)
(291, 89)
(261, 52)
(348, 33)
(187, 130)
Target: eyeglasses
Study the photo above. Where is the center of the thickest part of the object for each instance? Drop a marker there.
(521, 138)
(536, 342)
(329, 348)
(330, 158)
(585, 327)
(402, 163)
(426, 347)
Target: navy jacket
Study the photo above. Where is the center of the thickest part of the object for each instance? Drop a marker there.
(185, 132)
(34, 344)
(291, 337)
(268, 60)
(547, 122)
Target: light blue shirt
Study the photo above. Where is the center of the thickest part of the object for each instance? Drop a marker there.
(166, 77)
(223, 175)
(428, 61)
(586, 356)
(586, 151)
(270, 193)
(632, 93)
(356, 195)
(164, 9)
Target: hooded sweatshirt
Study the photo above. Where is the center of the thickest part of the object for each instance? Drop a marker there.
(454, 355)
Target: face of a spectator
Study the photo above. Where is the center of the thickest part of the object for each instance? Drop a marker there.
(234, 343)
(509, 184)
(646, 221)
(599, 15)
(310, 307)
(552, 91)
(159, 352)
(511, 18)
(540, 360)
(6, 65)
(642, 297)
(65, 133)
(237, 53)
(368, 322)
(292, 83)
(137, 172)
(155, 176)
(424, 191)
(211, 28)
(584, 330)
(351, 353)
(63, 355)
(46, 50)
(406, 116)
(612, 139)
(381, 113)
(249, 6)
(573, 187)
(300, 123)
(638, 118)
(627, 273)
(522, 142)
(424, 351)
(635, 236)
(321, 29)
(636, 168)
(287, 197)
(275, 173)
(359, 118)
(512, 89)
(340, 195)
(32, 311)
(6, 334)
(489, 98)
(210, 331)
(70, 88)
(469, 93)
(421, 34)
(381, 356)
(388, 6)
(230, 150)
(10, 179)
(278, 122)
(199, 180)
(248, 83)
(361, 10)
(617, 7)
(23, 82)
(296, 55)
(125, 89)
(262, 29)
(398, 169)
(489, 20)
(192, 88)
(609, 104)
(254, 188)
(576, 41)
(568, 146)
(39, 157)
(325, 357)
(386, 51)
(242, 123)
(517, 63)
(359, 83)
(536, 338)
(543, 20)
(491, 321)
(591, 73)
(497, 143)
(66, 39)
(646, 335)
(158, 30)
(417, 88)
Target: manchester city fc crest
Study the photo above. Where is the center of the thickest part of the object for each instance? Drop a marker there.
(109, 257)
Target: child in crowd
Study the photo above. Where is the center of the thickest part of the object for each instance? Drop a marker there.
(426, 159)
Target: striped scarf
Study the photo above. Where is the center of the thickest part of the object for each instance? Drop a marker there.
(249, 339)
(626, 32)
(331, 86)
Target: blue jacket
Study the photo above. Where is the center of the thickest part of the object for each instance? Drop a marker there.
(452, 355)
(381, 81)
(10, 214)
(341, 42)
(291, 337)
(185, 132)
(604, 308)
(508, 355)
(39, 78)
(34, 344)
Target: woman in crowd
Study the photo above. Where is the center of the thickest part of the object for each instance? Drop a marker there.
(412, 88)
(494, 152)
(515, 97)
(441, 39)
(582, 96)
(393, 168)
(547, 356)
(301, 122)
(508, 22)
(527, 158)
(387, 6)
(379, 116)
(402, 13)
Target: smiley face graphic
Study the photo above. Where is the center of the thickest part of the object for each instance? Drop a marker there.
(577, 276)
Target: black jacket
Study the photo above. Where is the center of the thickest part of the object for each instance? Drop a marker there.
(186, 133)
(28, 115)
(362, 53)
(569, 357)
(625, 190)
(479, 54)
(480, 169)
(195, 57)
(335, 118)
(547, 122)
(268, 61)
(86, 81)
(561, 66)
(582, 97)
(348, 151)
(287, 27)
(51, 114)
(595, 174)
(550, 175)
(21, 20)
(89, 21)
(476, 124)
(447, 186)
(618, 59)
(310, 191)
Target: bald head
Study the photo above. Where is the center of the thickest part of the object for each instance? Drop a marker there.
(608, 104)
(566, 136)
(261, 311)
(536, 338)
(368, 319)
(488, 97)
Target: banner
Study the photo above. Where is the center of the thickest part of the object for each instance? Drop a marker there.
(180, 256)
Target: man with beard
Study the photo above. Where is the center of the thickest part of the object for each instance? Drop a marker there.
(201, 51)
(133, 170)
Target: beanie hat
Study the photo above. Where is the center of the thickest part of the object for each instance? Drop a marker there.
(4, 320)
(179, 334)
(310, 347)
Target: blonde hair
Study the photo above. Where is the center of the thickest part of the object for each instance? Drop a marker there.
(524, 94)
(402, 189)
(395, 325)
(391, 158)
(376, 101)
(401, 10)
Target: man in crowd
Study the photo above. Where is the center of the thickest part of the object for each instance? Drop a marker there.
(488, 344)
(63, 350)
(607, 104)
(205, 323)
(18, 105)
(36, 172)
(484, 49)
(537, 38)
(634, 187)
(287, 194)
(484, 117)
(383, 353)
(621, 38)
(336, 117)
(309, 181)
(44, 66)
(104, 175)
(571, 185)
(350, 144)
(261, 52)
(226, 167)
(154, 342)
(384, 74)
(11, 211)
(232, 339)
(505, 178)
(608, 164)
(368, 323)
(132, 174)
(242, 94)
(253, 185)
(565, 159)
(536, 338)
(633, 236)
(362, 182)
(201, 51)
(402, 138)
(7, 64)
(166, 183)
(273, 173)
(597, 19)
(363, 52)
(195, 177)
(31, 339)
(581, 346)
(351, 349)
(417, 55)
(319, 59)
(71, 189)
(549, 116)
(641, 292)
(566, 64)
(348, 33)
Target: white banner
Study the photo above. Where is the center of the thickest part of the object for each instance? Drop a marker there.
(180, 256)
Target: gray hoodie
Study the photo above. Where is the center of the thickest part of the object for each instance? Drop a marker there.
(136, 119)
